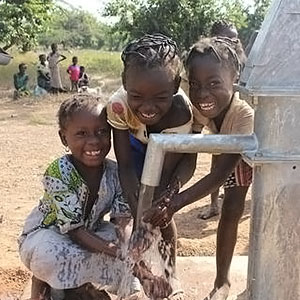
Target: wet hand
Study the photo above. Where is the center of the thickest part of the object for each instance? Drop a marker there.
(163, 209)
(161, 214)
(113, 250)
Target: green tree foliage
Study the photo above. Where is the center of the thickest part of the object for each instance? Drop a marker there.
(21, 21)
(74, 28)
(184, 20)
(254, 18)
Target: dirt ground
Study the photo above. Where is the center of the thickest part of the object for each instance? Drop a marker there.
(28, 142)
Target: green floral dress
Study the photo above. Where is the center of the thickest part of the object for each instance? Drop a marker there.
(45, 246)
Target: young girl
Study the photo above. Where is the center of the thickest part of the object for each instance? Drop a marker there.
(149, 102)
(213, 66)
(65, 241)
(54, 58)
(220, 28)
(74, 71)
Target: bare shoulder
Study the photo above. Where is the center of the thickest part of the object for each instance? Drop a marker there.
(182, 112)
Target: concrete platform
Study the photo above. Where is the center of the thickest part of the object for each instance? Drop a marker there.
(197, 275)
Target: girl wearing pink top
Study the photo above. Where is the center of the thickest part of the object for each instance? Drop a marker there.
(74, 71)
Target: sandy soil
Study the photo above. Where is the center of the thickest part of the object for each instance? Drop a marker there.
(28, 142)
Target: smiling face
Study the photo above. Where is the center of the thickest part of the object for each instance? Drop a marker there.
(149, 93)
(88, 136)
(210, 85)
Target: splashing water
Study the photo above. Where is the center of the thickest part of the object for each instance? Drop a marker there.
(147, 256)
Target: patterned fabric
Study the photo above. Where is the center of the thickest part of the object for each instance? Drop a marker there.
(54, 258)
(121, 117)
(46, 248)
(66, 195)
(242, 176)
(20, 81)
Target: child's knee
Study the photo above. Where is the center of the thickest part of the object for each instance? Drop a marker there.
(233, 207)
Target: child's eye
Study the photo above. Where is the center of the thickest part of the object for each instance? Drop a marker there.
(81, 133)
(193, 84)
(162, 98)
(136, 97)
(103, 132)
(214, 83)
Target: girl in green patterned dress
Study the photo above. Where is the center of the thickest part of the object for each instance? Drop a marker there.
(65, 241)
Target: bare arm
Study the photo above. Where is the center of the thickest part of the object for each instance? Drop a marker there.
(92, 242)
(185, 168)
(16, 82)
(163, 212)
(208, 184)
(61, 59)
(178, 168)
(128, 178)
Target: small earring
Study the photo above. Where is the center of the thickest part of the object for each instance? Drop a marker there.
(67, 149)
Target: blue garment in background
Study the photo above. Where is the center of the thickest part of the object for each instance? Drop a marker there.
(139, 153)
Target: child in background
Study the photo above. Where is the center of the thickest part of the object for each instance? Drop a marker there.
(43, 74)
(149, 102)
(54, 58)
(213, 66)
(74, 72)
(65, 241)
(224, 29)
(83, 77)
(20, 82)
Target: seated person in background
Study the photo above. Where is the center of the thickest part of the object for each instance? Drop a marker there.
(20, 82)
(83, 77)
(43, 74)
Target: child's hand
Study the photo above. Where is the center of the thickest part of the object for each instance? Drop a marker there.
(113, 250)
(161, 214)
(162, 211)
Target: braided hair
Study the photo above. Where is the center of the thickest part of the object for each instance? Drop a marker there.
(152, 51)
(228, 52)
(79, 103)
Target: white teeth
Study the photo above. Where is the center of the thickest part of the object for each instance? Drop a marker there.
(93, 153)
(148, 116)
(207, 106)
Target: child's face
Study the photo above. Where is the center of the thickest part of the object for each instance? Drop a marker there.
(88, 137)
(43, 58)
(54, 47)
(149, 93)
(75, 60)
(210, 85)
(23, 69)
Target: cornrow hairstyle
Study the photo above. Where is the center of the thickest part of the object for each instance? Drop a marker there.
(220, 26)
(151, 51)
(226, 51)
(79, 103)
